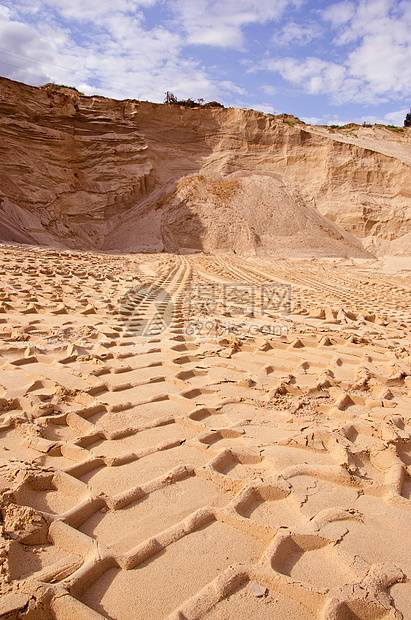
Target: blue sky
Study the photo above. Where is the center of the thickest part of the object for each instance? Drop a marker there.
(325, 62)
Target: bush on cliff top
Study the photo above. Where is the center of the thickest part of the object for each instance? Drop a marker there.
(171, 99)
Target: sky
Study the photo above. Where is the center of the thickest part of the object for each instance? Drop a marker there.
(324, 62)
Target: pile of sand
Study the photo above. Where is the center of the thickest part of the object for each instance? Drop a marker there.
(253, 215)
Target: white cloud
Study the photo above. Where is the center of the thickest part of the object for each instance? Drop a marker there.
(383, 63)
(223, 35)
(397, 117)
(336, 121)
(226, 85)
(264, 107)
(340, 13)
(216, 23)
(85, 10)
(113, 55)
(237, 12)
(380, 29)
(312, 120)
(114, 49)
(315, 75)
(377, 65)
(107, 48)
(23, 51)
(268, 89)
(292, 33)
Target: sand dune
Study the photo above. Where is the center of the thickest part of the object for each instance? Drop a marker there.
(203, 437)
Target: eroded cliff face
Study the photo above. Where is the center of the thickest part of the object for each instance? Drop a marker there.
(95, 173)
(359, 187)
(70, 161)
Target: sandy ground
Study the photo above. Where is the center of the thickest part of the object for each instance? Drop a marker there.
(193, 437)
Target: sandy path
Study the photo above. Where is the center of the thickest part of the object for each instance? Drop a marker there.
(164, 468)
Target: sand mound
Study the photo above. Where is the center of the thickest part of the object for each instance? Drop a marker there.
(253, 215)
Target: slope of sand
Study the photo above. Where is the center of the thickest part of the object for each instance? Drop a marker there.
(253, 215)
(192, 437)
(98, 174)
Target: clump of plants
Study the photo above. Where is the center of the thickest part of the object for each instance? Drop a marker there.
(391, 127)
(350, 127)
(51, 86)
(395, 128)
(171, 99)
(289, 119)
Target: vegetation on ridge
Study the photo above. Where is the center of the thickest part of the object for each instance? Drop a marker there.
(52, 86)
(171, 99)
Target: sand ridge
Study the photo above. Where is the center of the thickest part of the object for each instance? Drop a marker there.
(166, 475)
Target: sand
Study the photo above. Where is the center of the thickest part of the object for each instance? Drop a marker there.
(197, 436)
(97, 174)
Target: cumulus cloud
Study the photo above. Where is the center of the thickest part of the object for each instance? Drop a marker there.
(112, 53)
(109, 49)
(265, 107)
(300, 34)
(375, 56)
(340, 13)
(312, 120)
(268, 89)
(397, 117)
(315, 75)
(380, 32)
(23, 51)
(391, 118)
(85, 10)
(216, 23)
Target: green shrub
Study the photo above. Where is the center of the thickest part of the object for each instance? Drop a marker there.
(171, 99)
(395, 128)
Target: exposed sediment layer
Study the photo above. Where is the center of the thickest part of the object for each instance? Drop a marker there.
(95, 173)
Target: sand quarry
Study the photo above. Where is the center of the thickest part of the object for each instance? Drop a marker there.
(190, 432)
